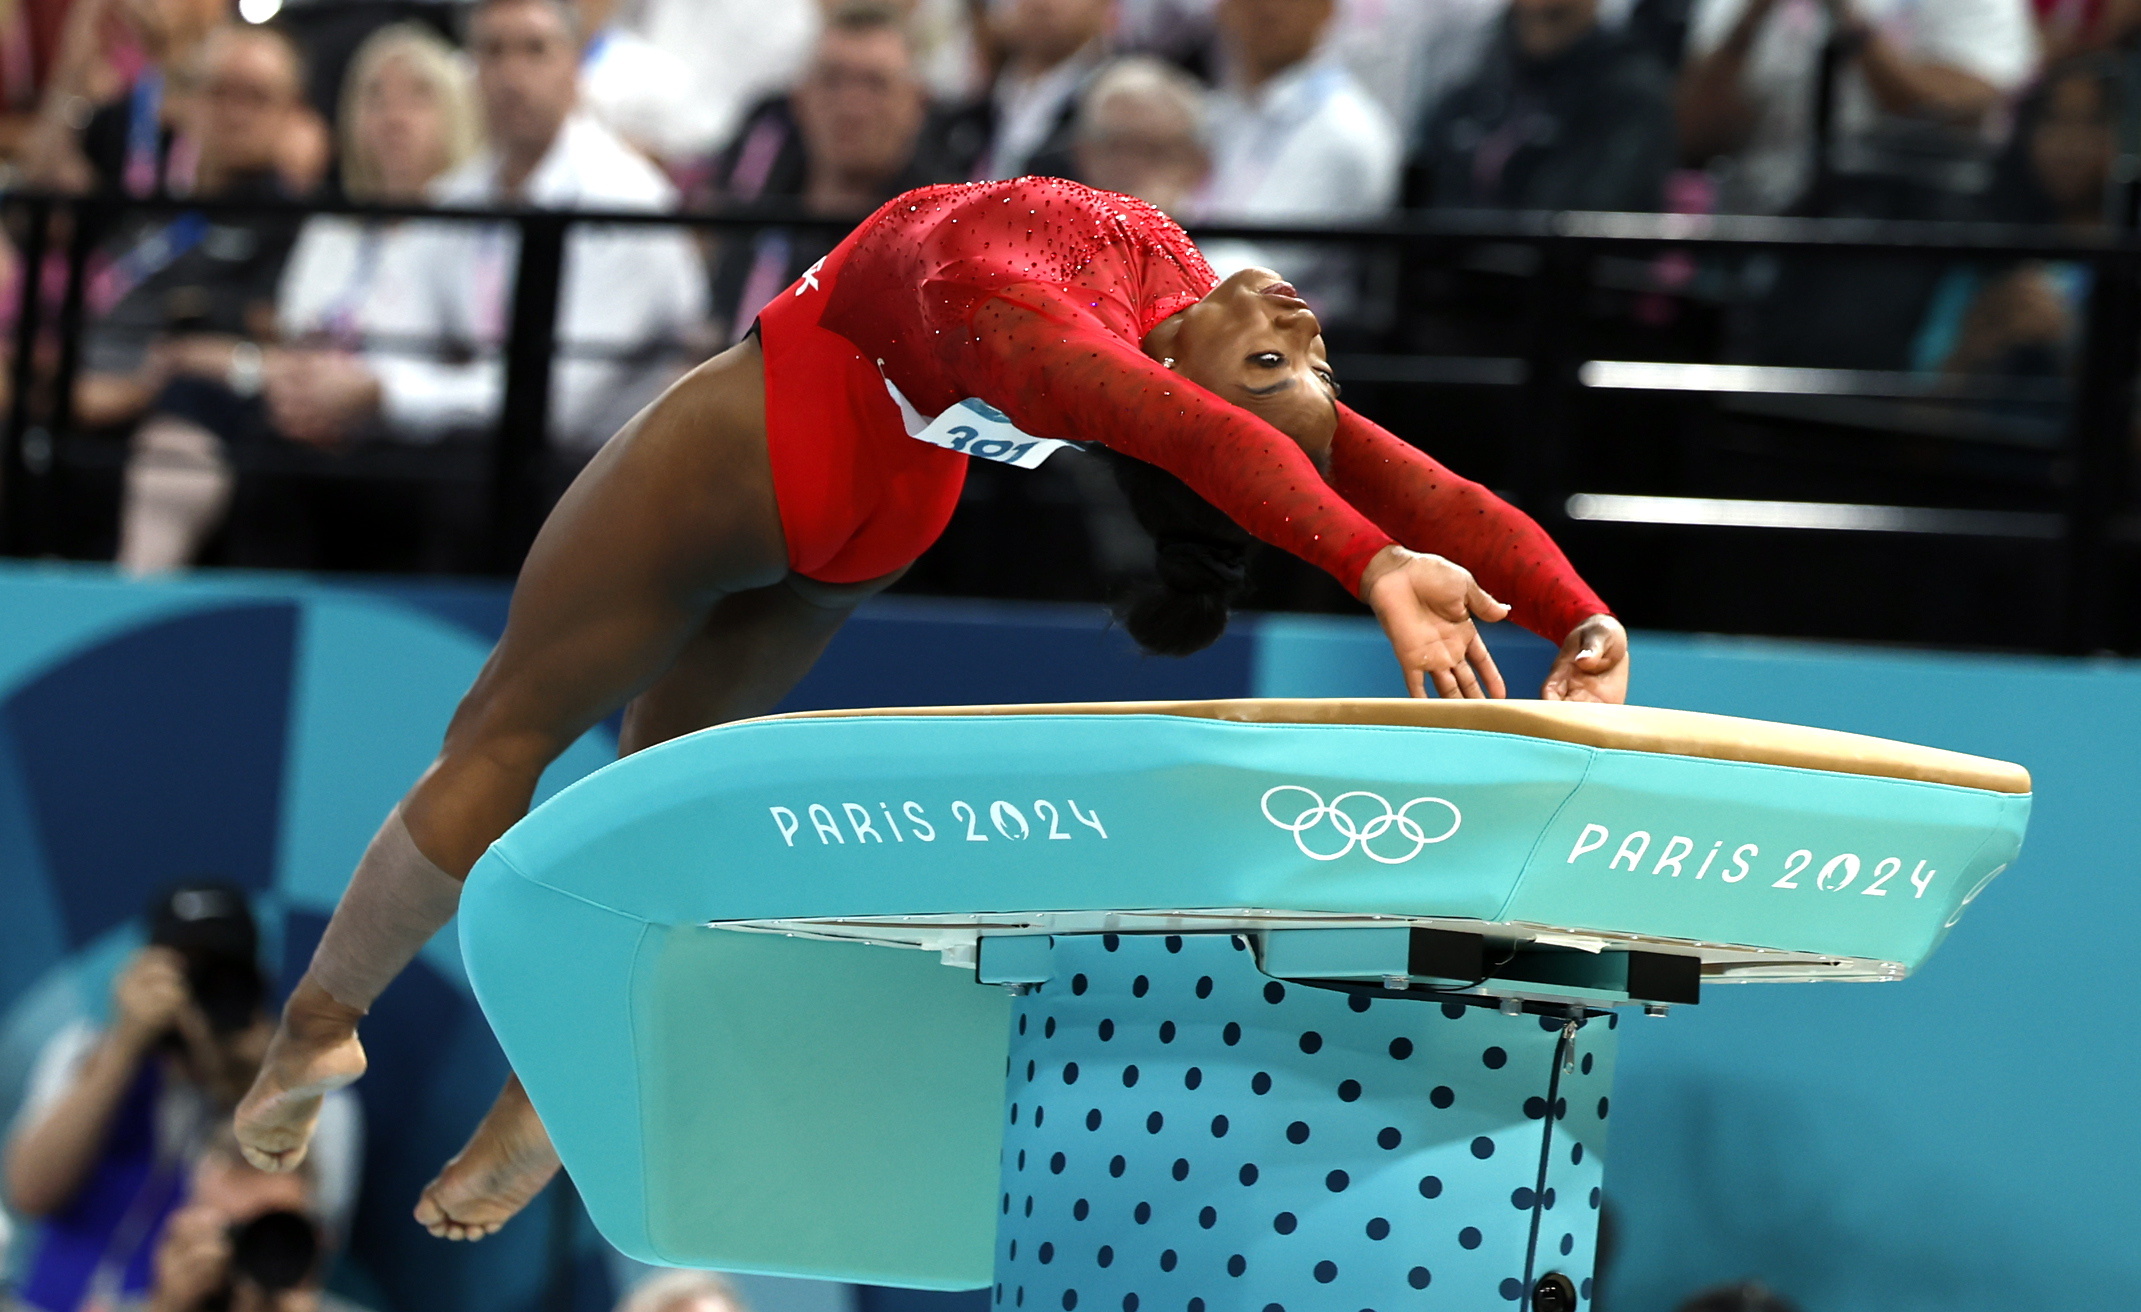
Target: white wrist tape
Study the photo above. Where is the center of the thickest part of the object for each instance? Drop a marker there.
(394, 903)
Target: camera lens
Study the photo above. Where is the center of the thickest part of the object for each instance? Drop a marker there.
(275, 1250)
(228, 989)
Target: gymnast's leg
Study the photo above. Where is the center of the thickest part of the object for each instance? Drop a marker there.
(674, 514)
(752, 649)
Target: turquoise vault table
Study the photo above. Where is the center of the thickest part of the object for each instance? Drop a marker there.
(1200, 1007)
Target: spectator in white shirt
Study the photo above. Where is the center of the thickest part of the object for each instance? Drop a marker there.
(408, 117)
(1405, 53)
(1051, 48)
(633, 300)
(1748, 89)
(1295, 138)
(641, 92)
(736, 52)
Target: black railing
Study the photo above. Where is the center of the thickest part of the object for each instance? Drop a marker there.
(1546, 378)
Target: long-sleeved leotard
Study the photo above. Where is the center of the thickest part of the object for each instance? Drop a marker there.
(1034, 296)
(1419, 502)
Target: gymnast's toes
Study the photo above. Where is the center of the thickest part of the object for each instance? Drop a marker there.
(503, 1167)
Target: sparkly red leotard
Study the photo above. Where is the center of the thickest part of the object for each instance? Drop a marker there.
(1033, 296)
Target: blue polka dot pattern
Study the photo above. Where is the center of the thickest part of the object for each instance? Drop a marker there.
(1279, 1145)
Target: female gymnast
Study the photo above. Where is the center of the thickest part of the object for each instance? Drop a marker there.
(702, 561)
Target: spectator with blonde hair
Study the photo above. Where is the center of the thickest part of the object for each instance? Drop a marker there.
(400, 66)
(407, 117)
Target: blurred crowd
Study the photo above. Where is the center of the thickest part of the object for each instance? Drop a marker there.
(263, 372)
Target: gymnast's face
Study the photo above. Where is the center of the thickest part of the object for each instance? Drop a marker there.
(1254, 341)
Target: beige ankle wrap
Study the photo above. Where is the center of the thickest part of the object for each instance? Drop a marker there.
(394, 903)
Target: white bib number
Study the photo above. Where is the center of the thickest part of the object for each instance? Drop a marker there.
(975, 428)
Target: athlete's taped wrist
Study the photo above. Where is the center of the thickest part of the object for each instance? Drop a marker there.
(395, 902)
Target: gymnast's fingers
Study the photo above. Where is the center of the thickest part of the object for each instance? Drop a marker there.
(1481, 604)
(1467, 682)
(1446, 684)
(1490, 675)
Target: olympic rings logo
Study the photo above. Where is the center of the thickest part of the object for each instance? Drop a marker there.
(1358, 830)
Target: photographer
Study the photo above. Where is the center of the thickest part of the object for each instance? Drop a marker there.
(246, 1241)
(116, 1118)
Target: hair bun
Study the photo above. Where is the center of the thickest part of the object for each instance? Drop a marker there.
(1202, 563)
(1169, 623)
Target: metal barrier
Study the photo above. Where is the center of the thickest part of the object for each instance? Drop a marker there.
(1547, 380)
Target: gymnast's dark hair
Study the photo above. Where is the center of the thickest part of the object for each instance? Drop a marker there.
(1201, 563)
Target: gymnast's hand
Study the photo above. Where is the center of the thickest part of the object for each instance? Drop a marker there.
(1426, 606)
(1592, 665)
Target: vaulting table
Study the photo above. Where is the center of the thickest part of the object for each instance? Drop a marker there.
(1188, 1007)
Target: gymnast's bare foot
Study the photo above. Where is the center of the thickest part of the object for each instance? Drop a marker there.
(314, 1052)
(507, 1162)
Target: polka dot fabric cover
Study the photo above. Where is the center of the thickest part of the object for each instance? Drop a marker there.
(1034, 295)
(1185, 1134)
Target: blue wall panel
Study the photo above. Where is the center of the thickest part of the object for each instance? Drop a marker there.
(36, 932)
(902, 652)
(155, 756)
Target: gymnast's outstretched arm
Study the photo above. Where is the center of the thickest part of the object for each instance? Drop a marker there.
(661, 575)
(1425, 506)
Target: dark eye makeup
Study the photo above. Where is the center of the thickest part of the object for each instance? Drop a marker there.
(1277, 360)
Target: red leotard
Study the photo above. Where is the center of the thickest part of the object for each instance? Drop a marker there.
(1033, 296)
